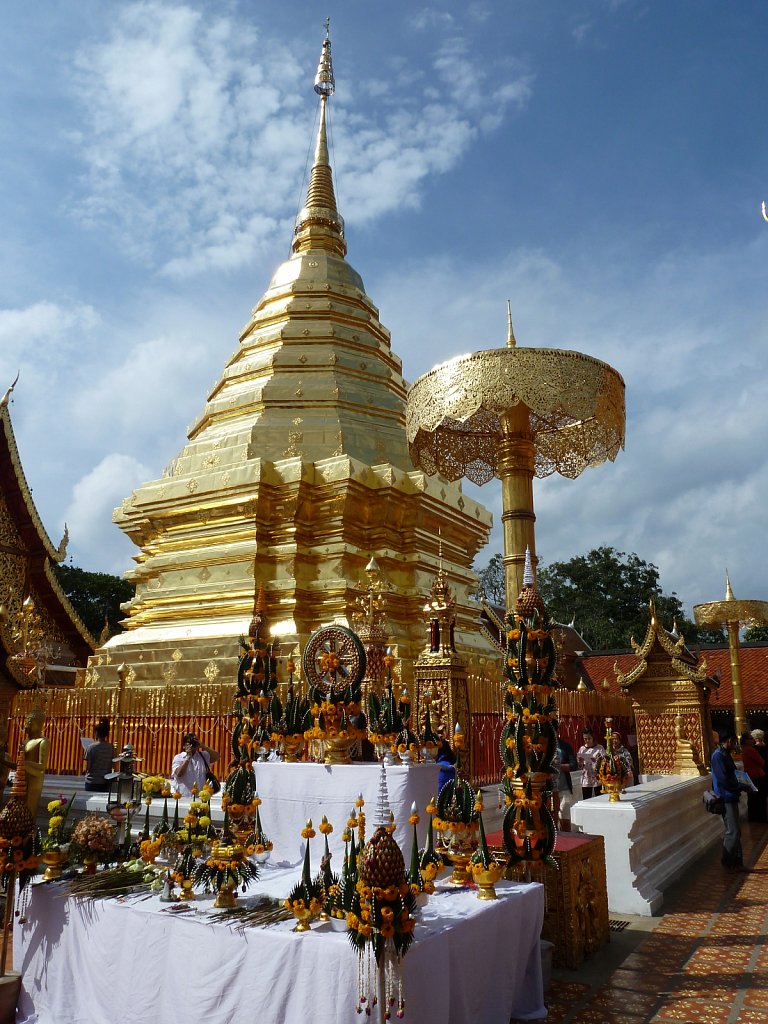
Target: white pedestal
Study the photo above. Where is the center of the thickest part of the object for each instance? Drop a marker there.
(651, 836)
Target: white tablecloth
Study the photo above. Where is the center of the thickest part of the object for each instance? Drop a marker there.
(292, 793)
(108, 963)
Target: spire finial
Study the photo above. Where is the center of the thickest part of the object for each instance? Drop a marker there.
(511, 340)
(7, 396)
(528, 579)
(319, 225)
(728, 592)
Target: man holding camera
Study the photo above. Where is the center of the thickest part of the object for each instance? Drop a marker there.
(190, 767)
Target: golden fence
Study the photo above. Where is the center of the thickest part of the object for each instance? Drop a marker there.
(154, 720)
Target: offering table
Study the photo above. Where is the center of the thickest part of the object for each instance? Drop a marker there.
(110, 962)
(292, 793)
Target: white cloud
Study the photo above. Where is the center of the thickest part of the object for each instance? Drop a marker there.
(691, 489)
(196, 131)
(95, 542)
(44, 331)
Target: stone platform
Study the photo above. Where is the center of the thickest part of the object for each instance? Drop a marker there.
(651, 836)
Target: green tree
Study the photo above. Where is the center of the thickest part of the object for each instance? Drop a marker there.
(607, 593)
(95, 596)
(490, 583)
(756, 633)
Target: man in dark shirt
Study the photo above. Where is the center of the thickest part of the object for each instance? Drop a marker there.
(727, 786)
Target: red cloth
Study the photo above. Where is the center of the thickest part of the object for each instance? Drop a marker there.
(754, 765)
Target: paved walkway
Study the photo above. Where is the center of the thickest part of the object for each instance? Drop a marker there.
(705, 961)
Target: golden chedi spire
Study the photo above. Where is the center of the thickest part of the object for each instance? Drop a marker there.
(319, 224)
(296, 469)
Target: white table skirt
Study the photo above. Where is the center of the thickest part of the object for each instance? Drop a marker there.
(292, 793)
(109, 963)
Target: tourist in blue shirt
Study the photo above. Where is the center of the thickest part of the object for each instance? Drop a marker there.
(727, 786)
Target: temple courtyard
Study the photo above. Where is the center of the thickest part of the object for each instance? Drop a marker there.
(703, 960)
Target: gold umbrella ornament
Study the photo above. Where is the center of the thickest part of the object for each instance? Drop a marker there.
(515, 413)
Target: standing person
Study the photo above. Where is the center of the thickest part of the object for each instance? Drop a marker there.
(447, 761)
(565, 760)
(98, 759)
(727, 786)
(754, 766)
(191, 766)
(759, 737)
(586, 758)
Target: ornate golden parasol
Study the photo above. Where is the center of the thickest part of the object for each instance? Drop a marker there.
(733, 614)
(516, 413)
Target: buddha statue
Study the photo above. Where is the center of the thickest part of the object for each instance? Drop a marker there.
(35, 757)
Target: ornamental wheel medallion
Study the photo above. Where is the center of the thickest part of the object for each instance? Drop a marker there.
(333, 659)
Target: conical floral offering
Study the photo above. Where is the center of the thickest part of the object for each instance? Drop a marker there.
(528, 741)
(613, 769)
(380, 923)
(430, 861)
(305, 899)
(485, 871)
(184, 873)
(226, 869)
(258, 845)
(163, 827)
(457, 819)
(415, 877)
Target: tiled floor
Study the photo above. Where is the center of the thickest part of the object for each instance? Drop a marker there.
(705, 962)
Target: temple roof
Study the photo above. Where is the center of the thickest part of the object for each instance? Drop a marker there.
(26, 557)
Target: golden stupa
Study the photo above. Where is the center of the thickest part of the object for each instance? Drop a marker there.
(294, 474)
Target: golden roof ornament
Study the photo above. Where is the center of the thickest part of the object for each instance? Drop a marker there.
(515, 413)
(7, 396)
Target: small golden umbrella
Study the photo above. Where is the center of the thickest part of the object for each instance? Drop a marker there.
(733, 615)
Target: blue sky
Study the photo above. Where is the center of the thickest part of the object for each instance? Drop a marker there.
(601, 164)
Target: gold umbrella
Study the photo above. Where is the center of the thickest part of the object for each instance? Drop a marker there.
(733, 614)
(515, 413)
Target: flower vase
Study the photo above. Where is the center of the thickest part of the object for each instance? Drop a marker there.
(614, 790)
(293, 747)
(457, 846)
(187, 892)
(485, 878)
(226, 897)
(53, 860)
(303, 916)
(337, 751)
(90, 860)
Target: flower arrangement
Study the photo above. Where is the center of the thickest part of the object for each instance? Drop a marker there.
(258, 844)
(381, 915)
(385, 715)
(183, 873)
(94, 838)
(612, 767)
(430, 862)
(58, 811)
(163, 827)
(150, 848)
(305, 900)
(415, 877)
(226, 869)
(408, 745)
(528, 740)
(290, 721)
(256, 683)
(485, 871)
(239, 796)
(197, 820)
(153, 785)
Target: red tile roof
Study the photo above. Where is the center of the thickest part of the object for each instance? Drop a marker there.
(595, 667)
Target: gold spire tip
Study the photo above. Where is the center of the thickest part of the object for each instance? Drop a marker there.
(728, 591)
(511, 340)
(325, 85)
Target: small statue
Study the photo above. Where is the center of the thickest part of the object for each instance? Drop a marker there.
(168, 895)
(36, 750)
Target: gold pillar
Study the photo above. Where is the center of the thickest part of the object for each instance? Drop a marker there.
(516, 468)
(738, 698)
